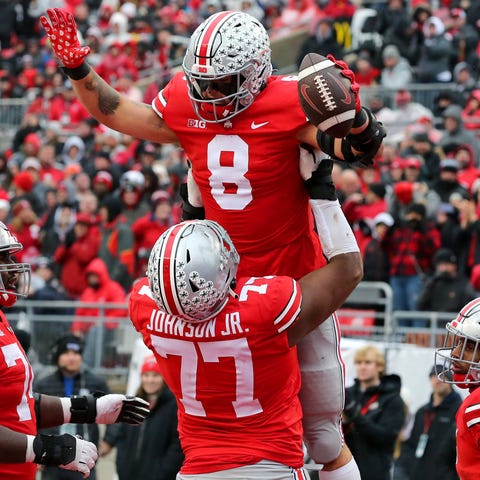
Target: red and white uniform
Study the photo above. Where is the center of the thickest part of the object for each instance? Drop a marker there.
(17, 406)
(247, 171)
(235, 377)
(249, 176)
(468, 437)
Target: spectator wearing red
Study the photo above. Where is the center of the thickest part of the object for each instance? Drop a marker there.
(296, 15)
(116, 63)
(339, 9)
(28, 73)
(360, 210)
(74, 254)
(67, 109)
(50, 172)
(366, 206)
(365, 72)
(148, 228)
(101, 289)
(467, 173)
(471, 112)
(24, 225)
(410, 245)
(102, 184)
(31, 144)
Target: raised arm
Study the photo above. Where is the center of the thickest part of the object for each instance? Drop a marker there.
(102, 101)
(324, 290)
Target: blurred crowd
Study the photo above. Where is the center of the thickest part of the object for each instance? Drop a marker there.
(90, 202)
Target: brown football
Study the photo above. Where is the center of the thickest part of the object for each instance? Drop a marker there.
(326, 95)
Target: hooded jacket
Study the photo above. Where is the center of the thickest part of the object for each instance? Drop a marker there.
(108, 291)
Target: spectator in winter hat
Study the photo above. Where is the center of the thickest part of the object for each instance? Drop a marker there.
(455, 133)
(447, 289)
(24, 224)
(102, 184)
(412, 166)
(468, 173)
(448, 183)
(23, 189)
(31, 144)
(149, 227)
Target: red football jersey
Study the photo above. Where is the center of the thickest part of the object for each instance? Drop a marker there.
(235, 377)
(468, 437)
(247, 170)
(17, 410)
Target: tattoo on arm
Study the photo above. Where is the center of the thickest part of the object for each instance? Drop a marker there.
(108, 98)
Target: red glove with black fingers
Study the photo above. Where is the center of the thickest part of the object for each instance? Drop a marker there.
(62, 33)
(348, 73)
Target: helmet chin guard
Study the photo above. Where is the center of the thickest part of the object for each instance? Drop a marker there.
(463, 337)
(14, 277)
(227, 44)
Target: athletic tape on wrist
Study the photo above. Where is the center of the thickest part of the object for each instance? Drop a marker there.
(66, 405)
(336, 235)
(30, 454)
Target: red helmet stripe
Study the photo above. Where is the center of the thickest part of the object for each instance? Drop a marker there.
(205, 43)
(465, 310)
(167, 270)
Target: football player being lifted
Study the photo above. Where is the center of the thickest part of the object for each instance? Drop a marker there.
(242, 129)
(460, 357)
(23, 412)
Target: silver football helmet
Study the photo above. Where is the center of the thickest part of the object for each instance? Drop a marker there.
(14, 277)
(132, 179)
(191, 270)
(230, 52)
(461, 346)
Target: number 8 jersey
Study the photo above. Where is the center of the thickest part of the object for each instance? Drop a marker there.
(247, 170)
(235, 377)
(17, 405)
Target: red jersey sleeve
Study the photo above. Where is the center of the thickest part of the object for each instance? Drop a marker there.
(17, 410)
(468, 437)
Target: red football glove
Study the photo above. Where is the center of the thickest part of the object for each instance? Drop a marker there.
(62, 33)
(346, 72)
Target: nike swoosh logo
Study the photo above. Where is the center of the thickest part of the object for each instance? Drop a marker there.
(254, 125)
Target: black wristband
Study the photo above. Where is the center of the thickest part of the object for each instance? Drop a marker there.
(83, 409)
(77, 73)
(327, 145)
(189, 212)
(360, 118)
(320, 185)
(54, 449)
